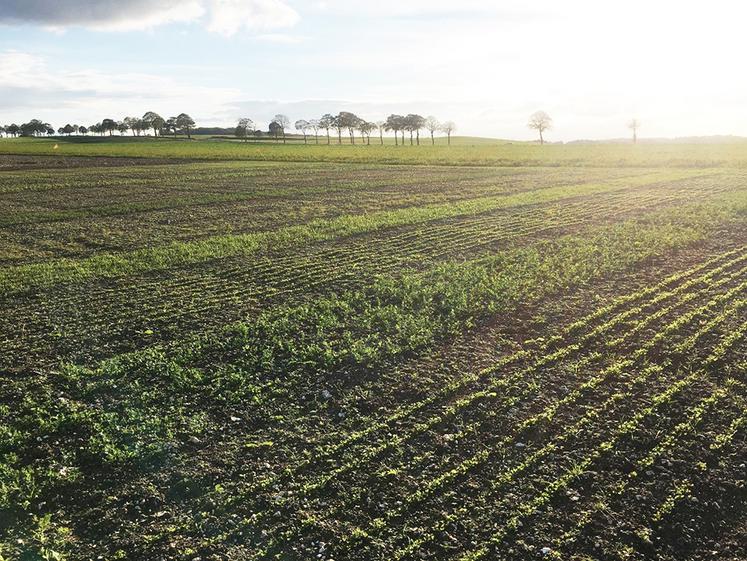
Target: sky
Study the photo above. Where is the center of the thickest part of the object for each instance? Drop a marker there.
(676, 66)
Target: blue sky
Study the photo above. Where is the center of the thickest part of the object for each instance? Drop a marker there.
(486, 65)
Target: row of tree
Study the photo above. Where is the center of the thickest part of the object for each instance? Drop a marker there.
(342, 123)
(349, 123)
(182, 123)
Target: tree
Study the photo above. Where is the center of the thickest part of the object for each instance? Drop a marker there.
(137, 125)
(414, 123)
(61, 131)
(170, 125)
(185, 123)
(394, 123)
(83, 130)
(326, 122)
(153, 121)
(284, 123)
(381, 125)
(634, 125)
(350, 122)
(2, 130)
(69, 129)
(303, 126)
(275, 129)
(244, 127)
(338, 125)
(35, 127)
(134, 124)
(540, 121)
(448, 127)
(366, 128)
(13, 130)
(123, 127)
(315, 125)
(109, 125)
(432, 125)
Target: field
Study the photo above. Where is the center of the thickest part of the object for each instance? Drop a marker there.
(211, 350)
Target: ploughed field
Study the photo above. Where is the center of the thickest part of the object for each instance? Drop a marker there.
(367, 361)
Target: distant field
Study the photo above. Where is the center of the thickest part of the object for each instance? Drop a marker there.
(464, 151)
(502, 351)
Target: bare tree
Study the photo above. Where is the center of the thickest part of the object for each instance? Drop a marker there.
(448, 127)
(244, 127)
(540, 121)
(432, 125)
(381, 125)
(303, 125)
(315, 125)
(283, 122)
(634, 125)
(326, 122)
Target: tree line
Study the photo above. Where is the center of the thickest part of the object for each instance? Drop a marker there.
(328, 126)
(151, 121)
(347, 124)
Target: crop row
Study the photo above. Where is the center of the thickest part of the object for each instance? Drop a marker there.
(625, 429)
(603, 499)
(25, 277)
(538, 423)
(541, 355)
(361, 458)
(121, 311)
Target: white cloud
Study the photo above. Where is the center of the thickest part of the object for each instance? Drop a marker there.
(279, 38)
(32, 88)
(226, 17)
(505, 9)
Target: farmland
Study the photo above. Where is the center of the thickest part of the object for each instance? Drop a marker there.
(494, 351)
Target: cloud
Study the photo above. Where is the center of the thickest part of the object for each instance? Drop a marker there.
(226, 17)
(33, 88)
(99, 14)
(506, 10)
